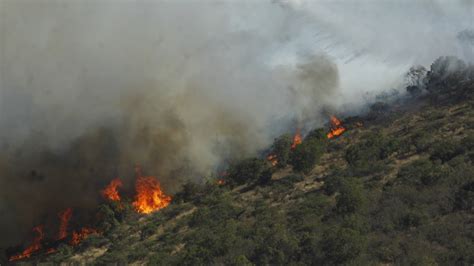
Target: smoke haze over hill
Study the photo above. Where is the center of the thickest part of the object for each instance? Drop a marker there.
(88, 89)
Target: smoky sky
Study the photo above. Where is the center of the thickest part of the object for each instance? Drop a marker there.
(89, 89)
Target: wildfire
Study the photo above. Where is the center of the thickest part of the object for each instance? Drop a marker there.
(64, 218)
(35, 246)
(111, 191)
(149, 196)
(336, 128)
(297, 139)
(77, 237)
(220, 181)
(50, 250)
(272, 158)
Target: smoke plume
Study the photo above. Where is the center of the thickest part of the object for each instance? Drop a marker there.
(89, 89)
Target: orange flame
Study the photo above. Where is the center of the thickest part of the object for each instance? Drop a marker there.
(110, 192)
(77, 237)
(64, 217)
(149, 196)
(272, 158)
(336, 128)
(51, 250)
(35, 246)
(220, 181)
(297, 139)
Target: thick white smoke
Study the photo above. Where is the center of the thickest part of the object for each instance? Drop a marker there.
(90, 88)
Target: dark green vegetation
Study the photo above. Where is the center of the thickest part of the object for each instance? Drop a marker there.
(399, 190)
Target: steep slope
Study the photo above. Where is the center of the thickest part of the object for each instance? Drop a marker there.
(396, 188)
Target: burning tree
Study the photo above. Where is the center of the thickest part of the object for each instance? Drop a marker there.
(280, 151)
(111, 191)
(150, 197)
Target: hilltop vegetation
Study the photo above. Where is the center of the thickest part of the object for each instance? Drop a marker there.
(396, 188)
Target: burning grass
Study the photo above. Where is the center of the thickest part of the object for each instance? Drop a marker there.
(34, 247)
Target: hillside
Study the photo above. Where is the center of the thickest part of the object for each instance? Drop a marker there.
(397, 187)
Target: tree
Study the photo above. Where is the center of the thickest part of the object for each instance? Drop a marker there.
(281, 149)
(415, 77)
(246, 170)
(341, 245)
(306, 155)
(351, 198)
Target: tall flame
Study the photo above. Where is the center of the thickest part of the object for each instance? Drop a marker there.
(35, 246)
(64, 218)
(150, 197)
(336, 128)
(111, 191)
(297, 139)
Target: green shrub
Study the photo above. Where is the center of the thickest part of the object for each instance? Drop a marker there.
(286, 183)
(351, 198)
(333, 184)
(148, 230)
(138, 253)
(318, 134)
(420, 172)
(421, 140)
(342, 245)
(106, 218)
(281, 149)
(411, 219)
(306, 155)
(273, 243)
(265, 177)
(63, 252)
(248, 170)
(241, 260)
(446, 150)
(365, 157)
(464, 199)
(189, 192)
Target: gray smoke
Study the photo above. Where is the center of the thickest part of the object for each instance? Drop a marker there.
(90, 88)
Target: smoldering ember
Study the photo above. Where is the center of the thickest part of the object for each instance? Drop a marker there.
(272, 132)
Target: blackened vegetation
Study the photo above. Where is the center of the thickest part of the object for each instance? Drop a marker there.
(394, 193)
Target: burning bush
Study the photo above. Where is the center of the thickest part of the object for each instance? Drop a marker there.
(281, 150)
(150, 197)
(111, 191)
